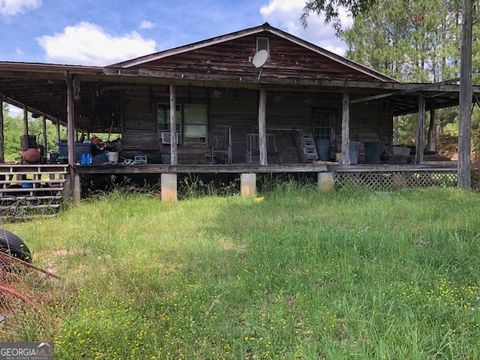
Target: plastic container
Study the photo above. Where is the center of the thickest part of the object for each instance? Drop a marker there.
(112, 156)
(354, 152)
(86, 159)
(323, 149)
(373, 150)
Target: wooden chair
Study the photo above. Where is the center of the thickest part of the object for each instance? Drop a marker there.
(253, 151)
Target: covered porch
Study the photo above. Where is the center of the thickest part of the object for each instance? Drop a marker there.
(223, 124)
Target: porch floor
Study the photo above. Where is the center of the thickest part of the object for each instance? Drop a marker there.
(249, 168)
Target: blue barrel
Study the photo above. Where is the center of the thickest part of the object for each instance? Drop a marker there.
(323, 149)
(373, 150)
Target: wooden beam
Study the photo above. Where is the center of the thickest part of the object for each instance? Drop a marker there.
(345, 129)
(44, 135)
(19, 104)
(373, 97)
(2, 140)
(173, 126)
(235, 80)
(262, 126)
(25, 121)
(70, 130)
(420, 138)
(58, 131)
(432, 132)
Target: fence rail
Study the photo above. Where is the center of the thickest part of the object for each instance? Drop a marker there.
(29, 191)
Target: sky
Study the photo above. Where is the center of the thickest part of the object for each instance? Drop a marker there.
(102, 32)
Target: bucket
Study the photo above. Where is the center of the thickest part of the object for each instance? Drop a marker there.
(354, 152)
(373, 150)
(323, 149)
(112, 156)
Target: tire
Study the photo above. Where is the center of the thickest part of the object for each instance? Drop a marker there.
(13, 245)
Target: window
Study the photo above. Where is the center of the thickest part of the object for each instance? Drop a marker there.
(323, 122)
(163, 117)
(195, 123)
(263, 44)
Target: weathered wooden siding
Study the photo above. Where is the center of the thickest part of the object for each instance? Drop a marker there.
(237, 109)
(287, 60)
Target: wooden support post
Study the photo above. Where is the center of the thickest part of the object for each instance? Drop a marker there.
(2, 140)
(432, 132)
(420, 138)
(346, 129)
(77, 189)
(70, 130)
(44, 135)
(169, 187)
(248, 184)
(58, 132)
(173, 126)
(25, 121)
(262, 127)
(326, 181)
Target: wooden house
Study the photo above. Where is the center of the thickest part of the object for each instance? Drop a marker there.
(205, 107)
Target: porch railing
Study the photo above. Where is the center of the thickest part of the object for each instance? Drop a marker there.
(29, 191)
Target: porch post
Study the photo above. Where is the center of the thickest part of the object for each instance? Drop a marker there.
(70, 131)
(58, 131)
(432, 132)
(25, 120)
(262, 129)
(173, 126)
(2, 142)
(44, 130)
(346, 129)
(420, 139)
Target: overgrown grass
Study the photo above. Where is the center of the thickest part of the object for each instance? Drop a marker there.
(296, 274)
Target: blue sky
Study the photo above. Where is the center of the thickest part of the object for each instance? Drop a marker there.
(100, 32)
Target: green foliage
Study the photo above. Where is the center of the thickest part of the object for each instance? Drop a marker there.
(410, 40)
(294, 275)
(13, 130)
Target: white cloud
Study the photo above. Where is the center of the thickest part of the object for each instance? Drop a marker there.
(88, 44)
(18, 51)
(285, 14)
(146, 24)
(15, 7)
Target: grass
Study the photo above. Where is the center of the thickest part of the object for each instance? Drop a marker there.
(296, 275)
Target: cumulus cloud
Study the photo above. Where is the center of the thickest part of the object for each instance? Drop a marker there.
(285, 14)
(146, 24)
(88, 44)
(15, 7)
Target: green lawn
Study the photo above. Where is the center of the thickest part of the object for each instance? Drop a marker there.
(295, 275)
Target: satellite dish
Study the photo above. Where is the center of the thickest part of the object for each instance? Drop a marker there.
(260, 58)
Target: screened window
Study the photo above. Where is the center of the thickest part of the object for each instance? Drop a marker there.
(195, 123)
(323, 122)
(263, 44)
(163, 117)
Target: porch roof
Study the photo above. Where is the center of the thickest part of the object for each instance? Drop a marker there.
(41, 88)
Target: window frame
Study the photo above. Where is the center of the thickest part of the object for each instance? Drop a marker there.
(166, 106)
(267, 41)
(185, 124)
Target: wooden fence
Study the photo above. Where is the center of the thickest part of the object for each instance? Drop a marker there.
(29, 191)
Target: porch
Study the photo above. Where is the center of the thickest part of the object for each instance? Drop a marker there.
(170, 126)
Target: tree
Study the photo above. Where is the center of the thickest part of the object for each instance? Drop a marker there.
(465, 132)
(331, 10)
